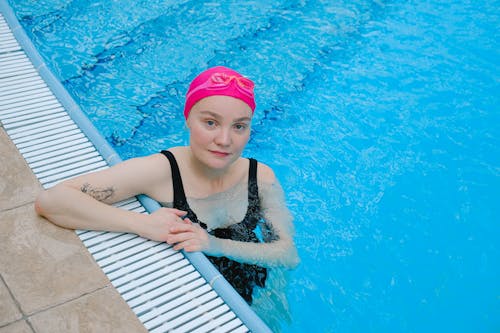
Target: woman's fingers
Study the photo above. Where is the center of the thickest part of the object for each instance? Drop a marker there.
(188, 237)
(178, 212)
(179, 237)
(185, 241)
(183, 227)
(184, 246)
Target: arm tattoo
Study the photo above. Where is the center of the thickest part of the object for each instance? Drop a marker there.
(100, 194)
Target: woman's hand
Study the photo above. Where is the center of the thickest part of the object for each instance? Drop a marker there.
(189, 237)
(158, 225)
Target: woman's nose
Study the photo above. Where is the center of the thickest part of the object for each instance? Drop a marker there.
(223, 137)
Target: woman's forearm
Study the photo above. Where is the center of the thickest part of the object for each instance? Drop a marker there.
(276, 253)
(73, 209)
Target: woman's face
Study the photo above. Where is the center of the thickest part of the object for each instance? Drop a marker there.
(219, 130)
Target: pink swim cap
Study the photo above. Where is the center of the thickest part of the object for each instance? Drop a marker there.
(221, 81)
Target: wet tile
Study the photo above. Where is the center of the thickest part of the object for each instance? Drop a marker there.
(18, 185)
(8, 308)
(17, 327)
(42, 264)
(101, 311)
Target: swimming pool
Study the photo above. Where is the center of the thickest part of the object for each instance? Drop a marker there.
(380, 119)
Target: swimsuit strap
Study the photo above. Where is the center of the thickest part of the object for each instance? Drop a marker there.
(179, 195)
(253, 188)
(180, 201)
(253, 210)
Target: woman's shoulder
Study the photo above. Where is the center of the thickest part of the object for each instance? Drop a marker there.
(178, 149)
(178, 152)
(162, 161)
(154, 171)
(265, 174)
(156, 162)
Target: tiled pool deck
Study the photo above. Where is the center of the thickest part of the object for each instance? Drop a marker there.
(48, 280)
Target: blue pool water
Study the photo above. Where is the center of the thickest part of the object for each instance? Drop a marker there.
(381, 119)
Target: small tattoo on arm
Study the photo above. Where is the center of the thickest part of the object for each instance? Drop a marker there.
(100, 194)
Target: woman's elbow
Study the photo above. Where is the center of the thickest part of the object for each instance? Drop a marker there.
(290, 258)
(41, 202)
(47, 201)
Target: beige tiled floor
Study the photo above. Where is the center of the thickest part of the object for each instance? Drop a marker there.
(48, 280)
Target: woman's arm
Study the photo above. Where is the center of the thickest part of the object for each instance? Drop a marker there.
(279, 250)
(84, 202)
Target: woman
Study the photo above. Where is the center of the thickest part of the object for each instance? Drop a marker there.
(213, 198)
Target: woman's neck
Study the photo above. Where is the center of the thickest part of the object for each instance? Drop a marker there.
(213, 180)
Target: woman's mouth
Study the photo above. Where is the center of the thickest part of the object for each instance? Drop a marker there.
(219, 153)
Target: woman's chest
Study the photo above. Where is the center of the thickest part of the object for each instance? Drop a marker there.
(219, 213)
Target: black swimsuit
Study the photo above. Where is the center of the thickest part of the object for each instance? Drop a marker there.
(243, 277)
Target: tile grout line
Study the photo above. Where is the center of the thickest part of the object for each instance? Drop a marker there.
(18, 305)
(25, 319)
(72, 299)
(8, 209)
(36, 181)
(27, 316)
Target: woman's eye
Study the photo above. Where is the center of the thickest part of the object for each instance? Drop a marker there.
(240, 127)
(210, 123)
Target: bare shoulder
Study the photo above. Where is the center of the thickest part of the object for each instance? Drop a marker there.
(157, 161)
(152, 166)
(157, 173)
(265, 174)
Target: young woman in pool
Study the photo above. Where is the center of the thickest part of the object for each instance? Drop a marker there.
(212, 198)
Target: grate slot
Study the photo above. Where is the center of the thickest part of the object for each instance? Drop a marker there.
(172, 304)
(146, 273)
(195, 323)
(106, 240)
(172, 271)
(67, 161)
(135, 256)
(164, 291)
(53, 153)
(28, 114)
(184, 313)
(23, 89)
(70, 173)
(44, 135)
(217, 323)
